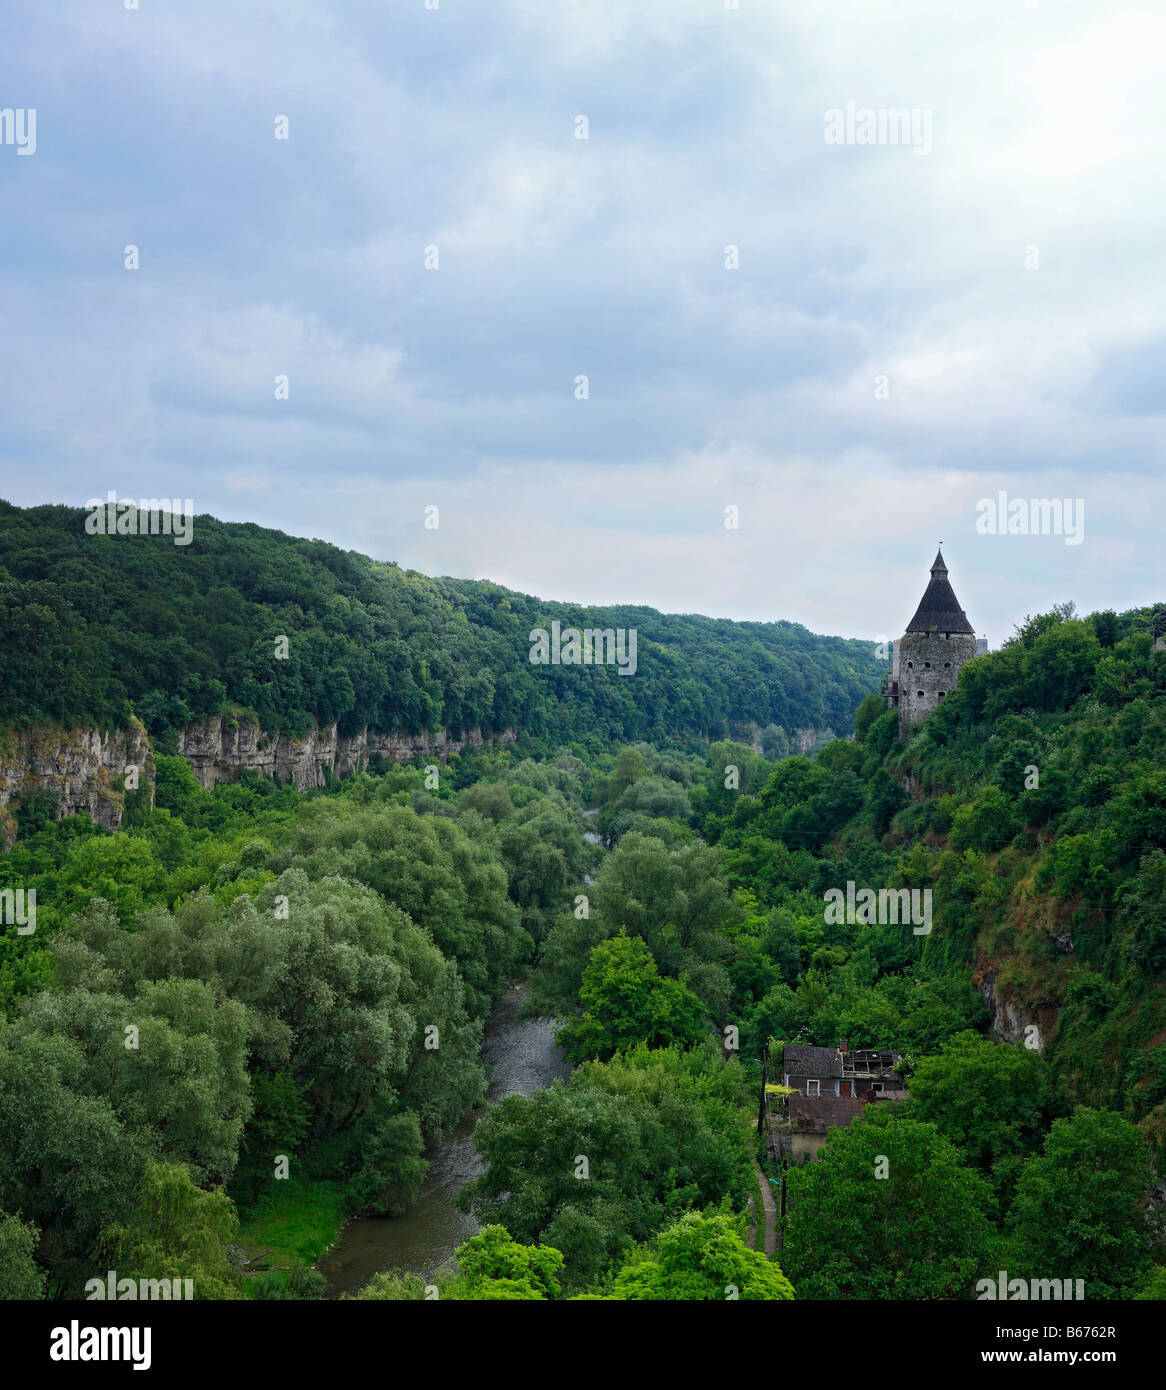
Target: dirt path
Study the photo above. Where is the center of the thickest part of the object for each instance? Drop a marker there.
(769, 1206)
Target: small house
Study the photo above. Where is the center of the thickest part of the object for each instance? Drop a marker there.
(829, 1086)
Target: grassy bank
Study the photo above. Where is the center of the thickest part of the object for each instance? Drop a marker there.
(296, 1224)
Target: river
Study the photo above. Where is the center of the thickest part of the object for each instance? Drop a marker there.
(523, 1057)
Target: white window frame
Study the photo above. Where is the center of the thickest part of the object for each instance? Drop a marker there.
(811, 1081)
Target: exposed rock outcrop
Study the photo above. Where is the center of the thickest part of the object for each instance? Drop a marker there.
(218, 748)
(800, 741)
(82, 768)
(1011, 1022)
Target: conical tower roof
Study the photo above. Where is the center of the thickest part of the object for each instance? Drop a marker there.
(939, 608)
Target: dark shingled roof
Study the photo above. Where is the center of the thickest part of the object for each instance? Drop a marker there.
(810, 1061)
(817, 1114)
(939, 608)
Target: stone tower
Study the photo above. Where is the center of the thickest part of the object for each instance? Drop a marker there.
(927, 658)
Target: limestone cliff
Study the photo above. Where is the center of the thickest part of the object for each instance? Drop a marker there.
(800, 740)
(82, 768)
(219, 747)
(1011, 1021)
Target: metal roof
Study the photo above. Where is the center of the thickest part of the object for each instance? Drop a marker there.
(799, 1060)
(939, 608)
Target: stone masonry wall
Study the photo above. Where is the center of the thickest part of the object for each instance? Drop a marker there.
(929, 665)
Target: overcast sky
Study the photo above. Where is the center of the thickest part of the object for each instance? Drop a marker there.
(912, 327)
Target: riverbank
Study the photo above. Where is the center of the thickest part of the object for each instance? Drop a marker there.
(523, 1057)
(305, 1224)
(296, 1226)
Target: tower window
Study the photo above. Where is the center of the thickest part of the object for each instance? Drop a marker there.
(927, 664)
(942, 693)
(947, 663)
(910, 664)
(919, 693)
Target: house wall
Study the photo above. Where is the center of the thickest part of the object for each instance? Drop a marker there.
(829, 1085)
(798, 1081)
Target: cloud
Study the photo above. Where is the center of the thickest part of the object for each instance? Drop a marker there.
(1008, 286)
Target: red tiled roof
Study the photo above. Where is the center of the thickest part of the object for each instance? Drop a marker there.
(817, 1114)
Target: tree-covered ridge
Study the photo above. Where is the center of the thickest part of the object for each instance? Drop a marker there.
(95, 627)
(1032, 806)
(704, 676)
(1042, 785)
(283, 957)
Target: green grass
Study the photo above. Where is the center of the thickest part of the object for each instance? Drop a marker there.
(296, 1221)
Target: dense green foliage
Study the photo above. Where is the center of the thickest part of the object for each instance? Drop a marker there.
(245, 979)
(914, 1227)
(177, 1226)
(701, 1259)
(94, 627)
(1080, 1205)
(20, 1275)
(995, 1103)
(626, 1000)
(251, 988)
(605, 1160)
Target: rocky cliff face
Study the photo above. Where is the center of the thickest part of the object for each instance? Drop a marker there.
(218, 748)
(1011, 1022)
(800, 741)
(82, 768)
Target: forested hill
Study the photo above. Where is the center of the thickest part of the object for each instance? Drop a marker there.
(1032, 804)
(96, 627)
